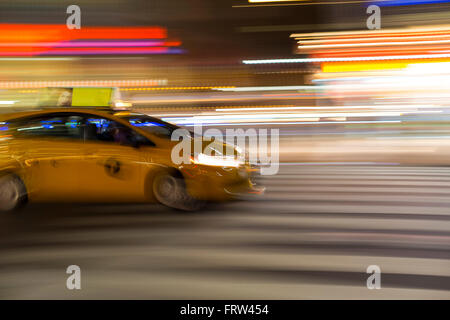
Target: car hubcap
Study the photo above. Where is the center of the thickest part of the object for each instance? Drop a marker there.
(9, 194)
(167, 187)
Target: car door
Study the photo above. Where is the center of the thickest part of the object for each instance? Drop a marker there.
(113, 166)
(50, 147)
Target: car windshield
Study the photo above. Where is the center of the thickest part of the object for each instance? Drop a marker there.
(152, 125)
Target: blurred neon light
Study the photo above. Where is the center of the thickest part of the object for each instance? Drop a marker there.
(293, 122)
(81, 83)
(375, 33)
(371, 52)
(325, 108)
(312, 60)
(354, 66)
(372, 44)
(404, 37)
(390, 65)
(260, 1)
(59, 32)
(177, 88)
(236, 118)
(80, 44)
(31, 40)
(389, 3)
(427, 68)
(94, 51)
(271, 88)
(38, 59)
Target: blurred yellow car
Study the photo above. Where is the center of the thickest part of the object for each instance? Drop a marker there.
(90, 155)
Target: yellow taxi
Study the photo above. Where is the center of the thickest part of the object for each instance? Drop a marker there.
(71, 154)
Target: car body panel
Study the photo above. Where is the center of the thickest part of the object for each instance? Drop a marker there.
(73, 170)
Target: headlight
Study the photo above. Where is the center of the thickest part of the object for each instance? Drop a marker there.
(217, 161)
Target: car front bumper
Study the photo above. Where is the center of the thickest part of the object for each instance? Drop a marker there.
(245, 192)
(220, 184)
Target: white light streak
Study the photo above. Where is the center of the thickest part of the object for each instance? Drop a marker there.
(376, 58)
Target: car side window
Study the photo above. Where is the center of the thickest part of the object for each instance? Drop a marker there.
(106, 130)
(55, 126)
(154, 127)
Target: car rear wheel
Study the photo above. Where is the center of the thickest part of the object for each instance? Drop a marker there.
(170, 190)
(12, 192)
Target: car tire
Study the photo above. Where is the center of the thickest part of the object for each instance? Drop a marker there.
(170, 190)
(12, 192)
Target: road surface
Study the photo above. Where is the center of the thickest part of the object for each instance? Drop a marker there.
(312, 236)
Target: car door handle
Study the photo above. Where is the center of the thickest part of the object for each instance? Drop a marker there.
(54, 163)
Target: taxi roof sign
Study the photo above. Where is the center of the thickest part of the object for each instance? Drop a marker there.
(92, 97)
(78, 97)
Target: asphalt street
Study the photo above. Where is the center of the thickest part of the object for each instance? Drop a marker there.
(312, 236)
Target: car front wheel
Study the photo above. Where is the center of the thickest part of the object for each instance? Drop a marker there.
(12, 192)
(170, 190)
